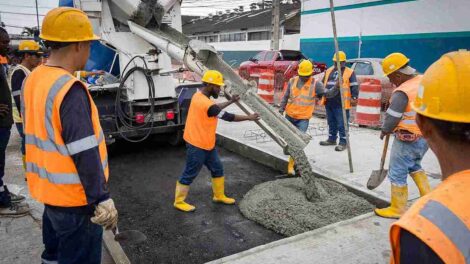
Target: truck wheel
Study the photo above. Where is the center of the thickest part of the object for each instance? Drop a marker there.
(176, 139)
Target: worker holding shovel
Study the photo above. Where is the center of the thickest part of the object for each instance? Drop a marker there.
(409, 146)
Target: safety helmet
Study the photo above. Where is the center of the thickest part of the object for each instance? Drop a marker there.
(394, 62)
(213, 77)
(305, 68)
(444, 92)
(29, 46)
(342, 56)
(67, 24)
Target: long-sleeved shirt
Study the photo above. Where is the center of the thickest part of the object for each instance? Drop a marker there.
(216, 111)
(335, 98)
(413, 250)
(319, 91)
(75, 117)
(398, 104)
(5, 98)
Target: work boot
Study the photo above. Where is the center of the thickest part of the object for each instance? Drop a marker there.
(14, 210)
(421, 180)
(327, 143)
(290, 167)
(180, 195)
(340, 147)
(218, 186)
(397, 205)
(15, 198)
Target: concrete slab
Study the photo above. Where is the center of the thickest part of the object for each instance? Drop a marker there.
(363, 239)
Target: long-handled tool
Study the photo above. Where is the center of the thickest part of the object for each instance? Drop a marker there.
(129, 236)
(378, 176)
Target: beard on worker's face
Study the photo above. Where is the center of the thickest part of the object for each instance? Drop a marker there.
(215, 94)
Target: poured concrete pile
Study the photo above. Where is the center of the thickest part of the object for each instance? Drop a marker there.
(282, 206)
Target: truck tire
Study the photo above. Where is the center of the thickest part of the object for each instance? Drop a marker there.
(176, 139)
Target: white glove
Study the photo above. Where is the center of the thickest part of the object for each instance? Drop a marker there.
(106, 214)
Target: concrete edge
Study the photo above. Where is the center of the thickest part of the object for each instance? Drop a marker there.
(280, 163)
(114, 248)
(289, 240)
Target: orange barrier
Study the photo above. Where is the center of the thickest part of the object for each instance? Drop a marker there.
(266, 86)
(369, 103)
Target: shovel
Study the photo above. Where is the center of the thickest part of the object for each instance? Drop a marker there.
(129, 236)
(378, 176)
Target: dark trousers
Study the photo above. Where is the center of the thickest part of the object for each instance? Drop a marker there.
(70, 238)
(19, 127)
(4, 138)
(334, 116)
(195, 159)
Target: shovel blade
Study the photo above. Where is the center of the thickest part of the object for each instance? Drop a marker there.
(376, 178)
(130, 236)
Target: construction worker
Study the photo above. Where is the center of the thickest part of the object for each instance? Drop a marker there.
(332, 102)
(30, 55)
(199, 135)
(66, 157)
(299, 100)
(409, 146)
(9, 202)
(436, 229)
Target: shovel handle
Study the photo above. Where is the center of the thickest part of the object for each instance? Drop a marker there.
(384, 152)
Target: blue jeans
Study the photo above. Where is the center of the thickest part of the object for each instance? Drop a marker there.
(70, 238)
(4, 138)
(334, 116)
(405, 158)
(19, 127)
(195, 159)
(301, 124)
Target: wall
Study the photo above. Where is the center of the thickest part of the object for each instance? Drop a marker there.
(422, 29)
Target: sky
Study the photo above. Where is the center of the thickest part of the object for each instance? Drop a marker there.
(17, 14)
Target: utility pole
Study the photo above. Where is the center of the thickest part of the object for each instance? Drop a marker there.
(275, 21)
(37, 13)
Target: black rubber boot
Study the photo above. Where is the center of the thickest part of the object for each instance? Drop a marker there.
(327, 143)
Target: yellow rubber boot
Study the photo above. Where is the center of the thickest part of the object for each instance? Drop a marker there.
(398, 204)
(290, 167)
(180, 195)
(421, 180)
(218, 187)
(24, 162)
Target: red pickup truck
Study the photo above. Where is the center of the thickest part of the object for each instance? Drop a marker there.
(284, 63)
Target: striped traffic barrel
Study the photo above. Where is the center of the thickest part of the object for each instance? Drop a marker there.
(266, 85)
(369, 103)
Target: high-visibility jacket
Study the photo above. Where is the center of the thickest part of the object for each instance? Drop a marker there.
(346, 86)
(301, 102)
(3, 60)
(52, 175)
(200, 128)
(441, 220)
(408, 120)
(15, 110)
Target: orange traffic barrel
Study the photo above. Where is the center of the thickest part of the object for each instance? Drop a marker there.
(369, 103)
(266, 86)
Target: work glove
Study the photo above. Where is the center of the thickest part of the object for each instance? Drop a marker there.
(106, 214)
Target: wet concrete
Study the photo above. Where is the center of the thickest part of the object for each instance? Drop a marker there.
(142, 183)
(282, 205)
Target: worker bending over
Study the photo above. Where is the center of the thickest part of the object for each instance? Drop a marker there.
(299, 100)
(199, 135)
(332, 102)
(436, 229)
(30, 55)
(409, 146)
(66, 157)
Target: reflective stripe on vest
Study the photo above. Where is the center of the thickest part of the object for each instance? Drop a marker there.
(347, 73)
(15, 110)
(301, 102)
(408, 120)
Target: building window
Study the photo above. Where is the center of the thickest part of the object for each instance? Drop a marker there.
(232, 37)
(210, 38)
(260, 35)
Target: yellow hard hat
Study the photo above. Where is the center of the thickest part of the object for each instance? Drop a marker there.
(342, 56)
(67, 24)
(394, 62)
(444, 92)
(213, 77)
(305, 68)
(29, 46)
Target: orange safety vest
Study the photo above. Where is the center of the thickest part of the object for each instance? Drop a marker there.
(3, 60)
(441, 220)
(200, 128)
(408, 120)
(301, 102)
(52, 176)
(346, 86)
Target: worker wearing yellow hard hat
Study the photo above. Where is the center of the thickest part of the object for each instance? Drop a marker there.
(438, 223)
(64, 141)
(409, 146)
(332, 102)
(299, 100)
(30, 54)
(199, 134)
